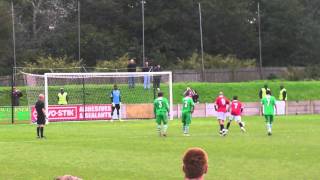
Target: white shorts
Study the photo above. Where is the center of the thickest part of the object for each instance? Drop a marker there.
(221, 116)
(236, 118)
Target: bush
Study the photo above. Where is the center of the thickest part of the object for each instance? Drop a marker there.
(50, 64)
(214, 62)
(313, 72)
(119, 64)
(272, 77)
(295, 74)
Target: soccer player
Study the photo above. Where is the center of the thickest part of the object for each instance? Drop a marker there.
(221, 105)
(195, 164)
(236, 110)
(63, 97)
(269, 110)
(187, 110)
(115, 96)
(161, 111)
(41, 116)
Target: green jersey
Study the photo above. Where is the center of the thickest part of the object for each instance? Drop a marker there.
(161, 105)
(268, 103)
(187, 104)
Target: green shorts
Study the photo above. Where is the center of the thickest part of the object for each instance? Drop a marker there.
(269, 118)
(186, 118)
(162, 118)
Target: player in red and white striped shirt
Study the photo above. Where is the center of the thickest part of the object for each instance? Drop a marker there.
(221, 105)
(236, 110)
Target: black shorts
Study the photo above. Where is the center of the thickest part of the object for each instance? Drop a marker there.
(116, 106)
(41, 120)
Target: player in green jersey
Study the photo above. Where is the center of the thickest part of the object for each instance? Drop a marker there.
(187, 110)
(161, 111)
(269, 110)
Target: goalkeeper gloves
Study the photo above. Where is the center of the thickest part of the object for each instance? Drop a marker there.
(113, 104)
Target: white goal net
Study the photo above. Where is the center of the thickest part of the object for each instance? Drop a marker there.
(88, 94)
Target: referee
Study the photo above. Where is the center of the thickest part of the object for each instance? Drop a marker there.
(41, 116)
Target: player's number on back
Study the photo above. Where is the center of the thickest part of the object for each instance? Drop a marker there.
(160, 104)
(186, 104)
(236, 105)
(268, 101)
(223, 101)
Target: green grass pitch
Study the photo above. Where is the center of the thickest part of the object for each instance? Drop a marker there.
(133, 150)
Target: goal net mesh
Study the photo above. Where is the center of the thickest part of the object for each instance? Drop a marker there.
(89, 94)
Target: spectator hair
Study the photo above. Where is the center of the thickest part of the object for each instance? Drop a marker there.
(195, 162)
(268, 92)
(160, 94)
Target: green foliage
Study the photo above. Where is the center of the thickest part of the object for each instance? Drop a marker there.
(51, 64)
(218, 62)
(313, 72)
(295, 74)
(308, 73)
(5, 39)
(111, 28)
(119, 64)
(133, 150)
(272, 77)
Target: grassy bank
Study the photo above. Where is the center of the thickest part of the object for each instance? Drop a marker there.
(247, 92)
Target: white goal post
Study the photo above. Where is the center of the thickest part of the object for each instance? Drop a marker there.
(91, 88)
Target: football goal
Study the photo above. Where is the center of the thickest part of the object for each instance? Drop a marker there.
(87, 96)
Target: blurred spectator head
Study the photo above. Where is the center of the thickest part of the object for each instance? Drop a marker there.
(195, 163)
(67, 177)
(265, 86)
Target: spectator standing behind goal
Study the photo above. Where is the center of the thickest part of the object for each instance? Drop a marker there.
(132, 67)
(16, 95)
(195, 164)
(146, 78)
(115, 96)
(41, 116)
(157, 78)
(63, 97)
(263, 91)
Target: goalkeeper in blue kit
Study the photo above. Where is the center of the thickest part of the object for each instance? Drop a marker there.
(161, 111)
(116, 100)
